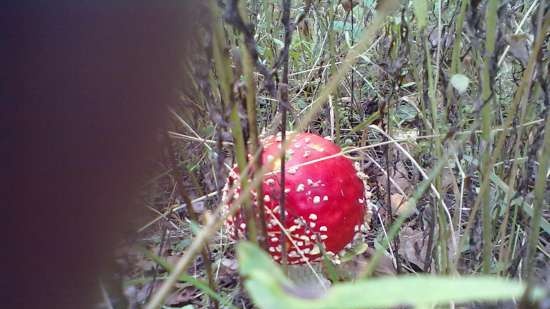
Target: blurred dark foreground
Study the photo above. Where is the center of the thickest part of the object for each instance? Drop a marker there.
(84, 89)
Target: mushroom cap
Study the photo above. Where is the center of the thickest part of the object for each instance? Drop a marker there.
(324, 198)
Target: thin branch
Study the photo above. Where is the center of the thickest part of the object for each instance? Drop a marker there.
(289, 30)
(235, 19)
(283, 104)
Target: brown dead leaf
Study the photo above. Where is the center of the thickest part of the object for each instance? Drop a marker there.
(519, 47)
(413, 246)
(398, 204)
(400, 177)
(182, 297)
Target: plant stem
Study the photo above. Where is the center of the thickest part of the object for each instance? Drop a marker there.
(255, 145)
(486, 122)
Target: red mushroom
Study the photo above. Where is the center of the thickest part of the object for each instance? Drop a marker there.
(324, 198)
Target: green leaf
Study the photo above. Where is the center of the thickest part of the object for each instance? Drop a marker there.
(405, 112)
(366, 122)
(421, 11)
(270, 289)
(460, 82)
(253, 260)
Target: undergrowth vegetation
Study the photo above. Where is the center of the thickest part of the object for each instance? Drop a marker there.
(442, 105)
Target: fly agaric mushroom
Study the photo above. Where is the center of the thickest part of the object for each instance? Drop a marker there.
(324, 198)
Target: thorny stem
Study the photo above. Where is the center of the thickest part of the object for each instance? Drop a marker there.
(253, 137)
(283, 88)
(289, 30)
(235, 19)
(225, 74)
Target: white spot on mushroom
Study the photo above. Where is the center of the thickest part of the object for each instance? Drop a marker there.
(270, 158)
(293, 228)
(278, 248)
(297, 145)
(243, 226)
(356, 228)
(276, 257)
(270, 181)
(313, 217)
(316, 199)
(306, 250)
(360, 200)
(307, 153)
(292, 170)
(267, 198)
(312, 224)
(323, 237)
(307, 140)
(325, 198)
(313, 237)
(287, 190)
(274, 239)
(300, 187)
(271, 249)
(293, 254)
(323, 228)
(300, 243)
